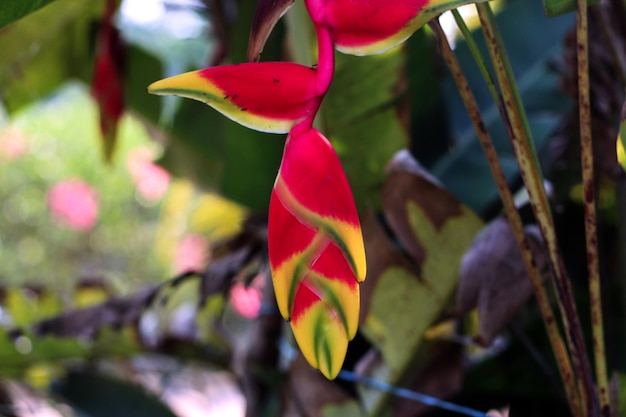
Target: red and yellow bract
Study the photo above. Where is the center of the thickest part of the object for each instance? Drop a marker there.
(267, 96)
(316, 249)
(315, 243)
(366, 27)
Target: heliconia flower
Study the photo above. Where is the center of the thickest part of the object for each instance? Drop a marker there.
(266, 96)
(316, 249)
(357, 27)
(365, 27)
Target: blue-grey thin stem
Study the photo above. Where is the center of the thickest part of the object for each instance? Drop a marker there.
(408, 394)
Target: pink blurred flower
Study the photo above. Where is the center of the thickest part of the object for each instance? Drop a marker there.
(150, 179)
(74, 203)
(13, 143)
(192, 253)
(246, 301)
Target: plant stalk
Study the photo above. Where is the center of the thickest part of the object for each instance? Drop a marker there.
(478, 58)
(516, 121)
(556, 340)
(589, 201)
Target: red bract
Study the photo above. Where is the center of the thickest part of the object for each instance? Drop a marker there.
(365, 27)
(267, 96)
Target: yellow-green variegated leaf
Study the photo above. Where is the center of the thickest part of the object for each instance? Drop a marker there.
(407, 291)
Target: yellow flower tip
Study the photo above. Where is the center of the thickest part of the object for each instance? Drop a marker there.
(621, 154)
(352, 241)
(188, 84)
(326, 368)
(322, 340)
(361, 264)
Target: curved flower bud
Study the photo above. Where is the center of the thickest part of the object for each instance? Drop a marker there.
(107, 84)
(316, 250)
(267, 96)
(366, 27)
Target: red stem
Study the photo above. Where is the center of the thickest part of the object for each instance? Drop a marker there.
(326, 58)
(325, 70)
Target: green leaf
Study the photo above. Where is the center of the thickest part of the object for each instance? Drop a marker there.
(360, 119)
(621, 393)
(464, 170)
(350, 408)
(44, 50)
(13, 10)
(405, 305)
(427, 111)
(18, 353)
(25, 306)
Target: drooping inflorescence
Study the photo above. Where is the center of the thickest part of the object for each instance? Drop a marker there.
(316, 248)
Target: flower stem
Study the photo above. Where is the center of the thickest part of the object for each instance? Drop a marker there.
(589, 201)
(326, 58)
(556, 340)
(478, 58)
(517, 125)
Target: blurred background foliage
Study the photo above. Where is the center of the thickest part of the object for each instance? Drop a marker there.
(53, 141)
(95, 299)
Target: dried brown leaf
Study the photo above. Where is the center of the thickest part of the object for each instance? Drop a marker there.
(493, 277)
(85, 323)
(406, 292)
(408, 183)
